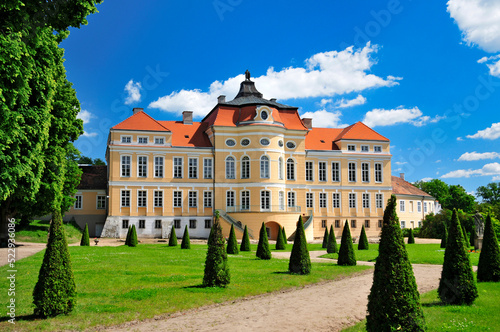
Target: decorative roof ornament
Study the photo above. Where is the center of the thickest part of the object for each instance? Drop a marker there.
(247, 75)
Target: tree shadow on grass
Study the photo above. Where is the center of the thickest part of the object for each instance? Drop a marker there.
(200, 288)
(281, 272)
(435, 303)
(31, 317)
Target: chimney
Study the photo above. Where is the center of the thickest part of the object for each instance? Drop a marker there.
(402, 176)
(221, 99)
(308, 122)
(187, 117)
(137, 110)
(273, 100)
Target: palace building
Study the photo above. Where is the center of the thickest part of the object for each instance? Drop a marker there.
(251, 159)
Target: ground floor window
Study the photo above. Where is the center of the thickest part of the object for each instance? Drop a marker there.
(367, 223)
(353, 223)
(192, 223)
(157, 223)
(78, 201)
(323, 223)
(403, 224)
(177, 223)
(142, 223)
(337, 223)
(124, 223)
(208, 223)
(380, 224)
(322, 200)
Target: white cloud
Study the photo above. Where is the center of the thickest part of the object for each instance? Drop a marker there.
(383, 117)
(133, 90)
(325, 119)
(438, 161)
(88, 134)
(470, 156)
(487, 170)
(85, 116)
(460, 139)
(496, 178)
(324, 74)
(491, 133)
(343, 103)
(426, 179)
(400, 162)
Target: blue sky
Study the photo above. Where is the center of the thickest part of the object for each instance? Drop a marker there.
(425, 74)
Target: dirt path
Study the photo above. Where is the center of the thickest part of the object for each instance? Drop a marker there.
(329, 306)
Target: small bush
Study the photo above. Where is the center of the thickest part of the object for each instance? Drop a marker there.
(245, 241)
(133, 238)
(488, 268)
(411, 238)
(331, 246)
(216, 269)
(172, 241)
(85, 236)
(346, 251)
(232, 244)
(300, 262)
(325, 239)
(363, 240)
(127, 238)
(263, 251)
(186, 241)
(284, 235)
(280, 241)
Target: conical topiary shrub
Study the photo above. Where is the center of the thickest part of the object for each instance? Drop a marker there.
(331, 246)
(363, 240)
(457, 285)
(172, 240)
(216, 269)
(133, 238)
(55, 290)
(411, 238)
(325, 239)
(280, 241)
(232, 244)
(85, 241)
(186, 241)
(444, 239)
(300, 262)
(346, 251)
(263, 251)
(394, 301)
(245, 241)
(488, 268)
(284, 235)
(127, 238)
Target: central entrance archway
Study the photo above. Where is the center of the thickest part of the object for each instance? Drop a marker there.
(272, 228)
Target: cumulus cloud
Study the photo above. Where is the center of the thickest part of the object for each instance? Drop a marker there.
(325, 74)
(426, 179)
(85, 116)
(400, 162)
(383, 117)
(490, 133)
(344, 103)
(89, 134)
(471, 156)
(486, 170)
(133, 90)
(325, 119)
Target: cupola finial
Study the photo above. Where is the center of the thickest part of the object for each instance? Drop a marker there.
(247, 75)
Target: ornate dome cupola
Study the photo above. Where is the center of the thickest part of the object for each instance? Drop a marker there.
(247, 88)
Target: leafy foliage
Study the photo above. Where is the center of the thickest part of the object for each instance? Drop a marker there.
(457, 284)
(280, 241)
(127, 238)
(245, 241)
(85, 236)
(488, 268)
(434, 225)
(411, 238)
(172, 240)
(394, 301)
(325, 239)
(489, 193)
(300, 262)
(450, 196)
(346, 251)
(186, 242)
(444, 239)
(132, 242)
(216, 269)
(55, 290)
(263, 251)
(232, 244)
(284, 235)
(363, 240)
(331, 246)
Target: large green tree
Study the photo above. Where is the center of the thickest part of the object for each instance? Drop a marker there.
(490, 193)
(449, 196)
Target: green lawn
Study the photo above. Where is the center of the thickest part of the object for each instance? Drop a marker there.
(481, 316)
(38, 229)
(119, 284)
(418, 254)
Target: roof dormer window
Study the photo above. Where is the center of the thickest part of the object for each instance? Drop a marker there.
(351, 147)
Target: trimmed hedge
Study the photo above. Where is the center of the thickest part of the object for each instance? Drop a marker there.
(331, 246)
(444, 239)
(346, 251)
(284, 235)
(133, 238)
(263, 251)
(216, 269)
(325, 239)
(280, 241)
(245, 241)
(232, 244)
(127, 238)
(85, 241)
(300, 262)
(411, 238)
(186, 241)
(172, 240)
(488, 268)
(363, 240)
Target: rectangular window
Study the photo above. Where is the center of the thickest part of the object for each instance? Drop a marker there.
(353, 223)
(403, 224)
(193, 168)
(352, 200)
(367, 223)
(380, 224)
(402, 206)
(101, 202)
(323, 223)
(192, 223)
(142, 198)
(193, 199)
(245, 167)
(229, 198)
(378, 172)
(365, 172)
(425, 207)
(125, 223)
(290, 169)
(322, 171)
(322, 200)
(207, 199)
(337, 223)
(142, 140)
(177, 168)
(309, 170)
(336, 172)
(336, 200)
(351, 148)
(291, 199)
(265, 200)
(177, 223)
(125, 166)
(281, 200)
(159, 140)
(157, 224)
(245, 200)
(419, 207)
(125, 198)
(142, 166)
(142, 223)
(207, 168)
(159, 167)
(177, 199)
(309, 200)
(419, 223)
(158, 202)
(208, 223)
(379, 201)
(126, 139)
(366, 201)
(78, 201)
(352, 172)
(365, 148)
(377, 149)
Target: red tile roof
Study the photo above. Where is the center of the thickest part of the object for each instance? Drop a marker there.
(322, 139)
(93, 177)
(402, 187)
(188, 135)
(360, 131)
(140, 121)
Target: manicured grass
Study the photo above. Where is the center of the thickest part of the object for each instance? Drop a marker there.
(119, 284)
(418, 253)
(481, 316)
(38, 229)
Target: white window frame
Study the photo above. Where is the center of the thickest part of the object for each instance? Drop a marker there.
(336, 171)
(177, 201)
(192, 199)
(158, 198)
(102, 199)
(139, 138)
(403, 224)
(192, 168)
(127, 197)
(365, 148)
(264, 167)
(159, 166)
(379, 173)
(401, 206)
(159, 140)
(425, 207)
(365, 172)
(281, 200)
(310, 200)
(351, 147)
(208, 166)
(230, 198)
(207, 199)
(245, 167)
(379, 201)
(322, 200)
(125, 166)
(142, 198)
(290, 169)
(419, 207)
(352, 176)
(177, 168)
(230, 167)
(245, 200)
(322, 171)
(309, 171)
(280, 168)
(352, 200)
(336, 200)
(365, 200)
(265, 200)
(78, 202)
(125, 138)
(377, 148)
(291, 199)
(142, 168)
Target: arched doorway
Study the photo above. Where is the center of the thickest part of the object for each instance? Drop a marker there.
(272, 229)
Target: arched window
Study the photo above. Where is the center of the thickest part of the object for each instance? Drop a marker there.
(264, 167)
(230, 171)
(290, 169)
(245, 167)
(280, 168)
